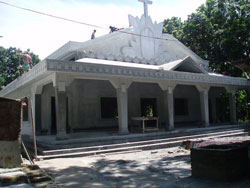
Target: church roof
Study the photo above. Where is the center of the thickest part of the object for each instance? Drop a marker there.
(183, 65)
(142, 43)
(140, 52)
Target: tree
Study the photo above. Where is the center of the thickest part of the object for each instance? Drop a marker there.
(218, 31)
(173, 26)
(9, 63)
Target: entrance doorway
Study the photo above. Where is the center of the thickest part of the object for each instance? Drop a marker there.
(149, 109)
(53, 116)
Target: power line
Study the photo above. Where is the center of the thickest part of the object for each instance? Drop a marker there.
(78, 22)
(50, 15)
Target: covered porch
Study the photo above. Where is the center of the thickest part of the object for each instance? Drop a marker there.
(70, 96)
(111, 107)
(105, 137)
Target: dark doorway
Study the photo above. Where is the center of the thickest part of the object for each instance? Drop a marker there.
(53, 116)
(222, 104)
(180, 107)
(109, 108)
(149, 109)
(38, 117)
(210, 111)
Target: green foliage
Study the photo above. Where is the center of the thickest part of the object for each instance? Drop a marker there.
(218, 31)
(149, 111)
(242, 106)
(9, 63)
(173, 26)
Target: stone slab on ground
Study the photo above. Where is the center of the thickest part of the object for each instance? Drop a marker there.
(195, 143)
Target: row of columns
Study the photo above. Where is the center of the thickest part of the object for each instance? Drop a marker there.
(122, 104)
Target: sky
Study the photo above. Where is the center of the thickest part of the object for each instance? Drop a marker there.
(43, 35)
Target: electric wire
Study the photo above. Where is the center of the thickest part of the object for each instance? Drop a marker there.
(78, 22)
(50, 15)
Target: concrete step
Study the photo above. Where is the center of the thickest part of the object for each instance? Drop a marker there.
(73, 142)
(127, 144)
(139, 145)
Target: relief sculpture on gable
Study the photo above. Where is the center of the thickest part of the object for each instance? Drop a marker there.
(145, 41)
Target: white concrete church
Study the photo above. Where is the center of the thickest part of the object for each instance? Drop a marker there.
(112, 80)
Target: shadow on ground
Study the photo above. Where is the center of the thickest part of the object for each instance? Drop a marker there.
(171, 172)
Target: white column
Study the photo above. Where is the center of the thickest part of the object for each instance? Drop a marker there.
(122, 103)
(169, 108)
(232, 104)
(204, 107)
(203, 89)
(60, 97)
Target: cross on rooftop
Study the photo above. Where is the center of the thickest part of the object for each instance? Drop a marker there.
(145, 3)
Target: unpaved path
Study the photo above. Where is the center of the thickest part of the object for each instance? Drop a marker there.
(164, 168)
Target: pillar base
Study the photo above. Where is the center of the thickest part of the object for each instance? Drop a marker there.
(62, 135)
(169, 128)
(123, 132)
(204, 125)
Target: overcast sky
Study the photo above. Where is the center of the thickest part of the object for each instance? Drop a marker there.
(43, 35)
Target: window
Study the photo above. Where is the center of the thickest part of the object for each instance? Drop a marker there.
(148, 107)
(25, 110)
(109, 108)
(180, 107)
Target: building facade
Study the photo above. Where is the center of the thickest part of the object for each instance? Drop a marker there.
(133, 72)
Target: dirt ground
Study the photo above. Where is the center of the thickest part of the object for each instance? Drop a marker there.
(162, 168)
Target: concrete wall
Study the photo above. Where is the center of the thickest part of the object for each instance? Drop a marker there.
(85, 96)
(86, 103)
(193, 96)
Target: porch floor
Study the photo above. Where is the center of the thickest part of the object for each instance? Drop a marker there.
(111, 134)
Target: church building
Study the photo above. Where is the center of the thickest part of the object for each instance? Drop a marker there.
(133, 76)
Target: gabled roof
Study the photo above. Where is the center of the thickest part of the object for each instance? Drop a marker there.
(184, 65)
(143, 43)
